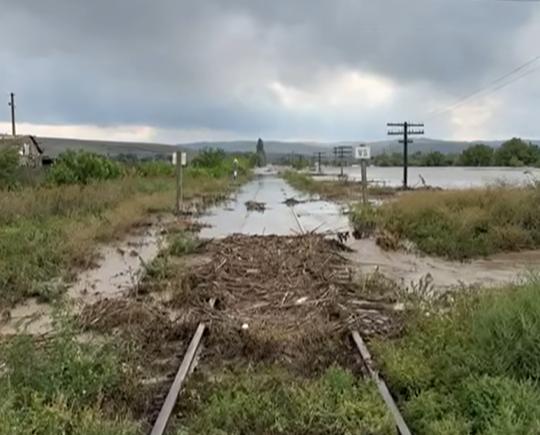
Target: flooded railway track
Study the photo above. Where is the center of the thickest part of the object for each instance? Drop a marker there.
(193, 352)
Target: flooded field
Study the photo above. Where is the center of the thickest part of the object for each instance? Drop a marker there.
(445, 177)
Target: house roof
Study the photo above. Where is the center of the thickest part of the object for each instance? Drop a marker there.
(18, 141)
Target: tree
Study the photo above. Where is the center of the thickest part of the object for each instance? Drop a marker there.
(515, 152)
(261, 155)
(434, 158)
(477, 155)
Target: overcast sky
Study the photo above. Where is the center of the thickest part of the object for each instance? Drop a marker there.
(177, 71)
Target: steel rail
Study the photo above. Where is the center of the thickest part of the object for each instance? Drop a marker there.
(302, 229)
(381, 385)
(186, 367)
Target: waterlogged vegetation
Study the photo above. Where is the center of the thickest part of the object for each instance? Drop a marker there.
(460, 224)
(48, 229)
(331, 189)
(473, 369)
(270, 400)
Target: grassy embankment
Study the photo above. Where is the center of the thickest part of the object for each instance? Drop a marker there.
(333, 189)
(473, 370)
(62, 384)
(49, 229)
(460, 224)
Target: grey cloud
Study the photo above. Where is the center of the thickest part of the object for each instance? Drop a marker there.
(207, 64)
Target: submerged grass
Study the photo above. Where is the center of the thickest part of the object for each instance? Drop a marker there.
(333, 189)
(270, 400)
(474, 370)
(461, 224)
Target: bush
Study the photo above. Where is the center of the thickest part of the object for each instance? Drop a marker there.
(475, 368)
(9, 166)
(155, 169)
(215, 163)
(82, 168)
(463, 224)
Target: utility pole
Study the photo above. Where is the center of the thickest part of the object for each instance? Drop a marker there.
(318, 157)
(12, 104)
(406, 129)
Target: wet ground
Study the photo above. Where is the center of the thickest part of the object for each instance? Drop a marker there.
(120, 266)
(424, 273)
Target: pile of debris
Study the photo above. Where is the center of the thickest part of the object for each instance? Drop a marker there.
(255, 206)
(281, 297)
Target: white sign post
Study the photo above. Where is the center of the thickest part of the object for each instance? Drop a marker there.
(363, 153)
(179, 160)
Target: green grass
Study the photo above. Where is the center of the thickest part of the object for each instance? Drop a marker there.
(63, 386)
(473, 370)
(269, 400)
(47, 231)
(461, 224)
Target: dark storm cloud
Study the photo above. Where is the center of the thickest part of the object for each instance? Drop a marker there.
(209, 64)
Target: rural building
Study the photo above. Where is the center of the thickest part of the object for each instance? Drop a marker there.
(30, 152)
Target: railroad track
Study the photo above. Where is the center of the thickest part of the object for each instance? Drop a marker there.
(195, 346)
(367, 361)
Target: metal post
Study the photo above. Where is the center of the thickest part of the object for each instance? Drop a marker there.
(363, 165)
(12, 104)
(320, 159)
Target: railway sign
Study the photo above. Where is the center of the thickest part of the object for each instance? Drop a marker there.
(362, 152)
(183, 158)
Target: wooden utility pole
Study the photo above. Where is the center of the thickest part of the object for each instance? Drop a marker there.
(405, 130)
(12, 104)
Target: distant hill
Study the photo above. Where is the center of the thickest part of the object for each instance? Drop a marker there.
(54, 146)
(274, 149)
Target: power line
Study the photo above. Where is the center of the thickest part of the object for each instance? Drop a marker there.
(489, 87)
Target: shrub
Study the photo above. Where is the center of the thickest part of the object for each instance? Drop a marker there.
(216, 163)
(155, 168)
(82, 168)
(474, 369)
(9, 166)
(462, 224)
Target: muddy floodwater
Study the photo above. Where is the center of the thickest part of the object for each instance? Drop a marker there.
(412, 271)
(286, 211)
(446, 177)
(119, 268)
(277, 218)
